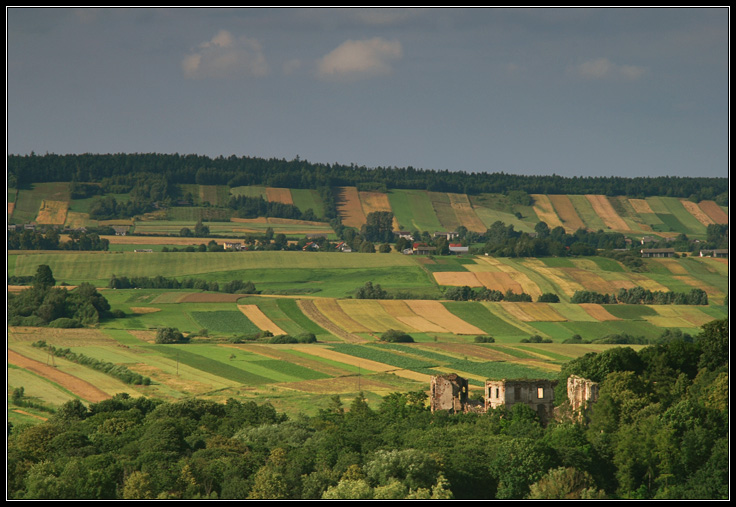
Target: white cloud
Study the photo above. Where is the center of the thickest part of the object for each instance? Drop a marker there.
(354, 59)
(603, 68)
(224, 56)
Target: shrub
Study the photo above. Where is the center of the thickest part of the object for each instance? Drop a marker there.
(394, 336)
(170, 335)
(484, 339)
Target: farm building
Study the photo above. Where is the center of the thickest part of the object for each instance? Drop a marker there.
(423, 249)
(457, 248)
(718, 252)
(657, 252)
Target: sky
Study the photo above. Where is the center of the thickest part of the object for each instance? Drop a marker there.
(529, 91)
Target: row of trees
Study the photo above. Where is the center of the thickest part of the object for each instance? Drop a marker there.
(161, 282)
(50, 239)
(642, 296)
(659, 430)
(119, 169)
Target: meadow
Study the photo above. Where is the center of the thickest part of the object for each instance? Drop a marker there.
(313, 293)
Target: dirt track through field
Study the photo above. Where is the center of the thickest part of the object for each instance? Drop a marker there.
(260, 319)
(80, 387)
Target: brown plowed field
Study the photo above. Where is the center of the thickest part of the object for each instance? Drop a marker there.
(81, 388)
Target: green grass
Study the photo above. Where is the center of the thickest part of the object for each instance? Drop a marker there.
(305, 199)
(225, 321)
(413, 210)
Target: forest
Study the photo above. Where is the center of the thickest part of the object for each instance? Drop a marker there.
(659, 430)
(120, 173)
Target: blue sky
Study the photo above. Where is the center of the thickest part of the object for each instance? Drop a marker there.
(574, 92)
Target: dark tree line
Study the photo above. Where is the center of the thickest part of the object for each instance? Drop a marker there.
(236, 171)
(50, 239)
(642, 296)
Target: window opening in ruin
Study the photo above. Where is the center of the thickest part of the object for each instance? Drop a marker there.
(497, 392)
(540, 392)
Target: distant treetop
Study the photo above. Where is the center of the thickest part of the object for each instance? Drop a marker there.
(298, 173)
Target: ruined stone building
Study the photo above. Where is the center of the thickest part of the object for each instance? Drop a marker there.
(539, 395)
(450, 392)
(581, 393)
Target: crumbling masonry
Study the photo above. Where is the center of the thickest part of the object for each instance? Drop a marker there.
(450, 392)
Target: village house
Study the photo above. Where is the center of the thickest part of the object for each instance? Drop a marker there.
(229, 245)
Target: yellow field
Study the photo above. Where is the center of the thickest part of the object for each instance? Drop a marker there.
(528, 286)
(282, 195)
(262, 322)
(457, 278)
(532, 312)
(499, 281)
(434, 312)
(641, 206)
(309, 307)
(465, 213)
(605, 211)
(400, 311)
(566, 212)
(376, 201)
(52, 212)
(372, 315)
(545, 211)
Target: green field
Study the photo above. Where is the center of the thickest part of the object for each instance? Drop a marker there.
(303, 377)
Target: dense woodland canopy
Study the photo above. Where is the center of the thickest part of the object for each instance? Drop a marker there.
(122, 169)
(659, 430)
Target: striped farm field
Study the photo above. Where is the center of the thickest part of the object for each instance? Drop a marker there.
(216, 195)
(371, 315)
(598, 312)
(257, 317)
(305, 199)
(465, 213)
(401, 311)
(457, 278)
(546, 211)
(282, 195)
(607, 213)
(532, 312)
(714, 211)
(414, 211)
(698, 213)
(641, 206)
(349, 207)
(331, 309)
(444, 210)
(565, 210)
(435, 312)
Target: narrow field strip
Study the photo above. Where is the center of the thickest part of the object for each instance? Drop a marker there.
(331, 309)
(257, 317)
(545, 211)
(434, 312)
(282, 195)
(566, 212)
(714, 211)
(350, 208)
(698, 213)
(401, 312)
(598, 312)
(80, 387)
(605, 211)
(309, 308)
(372, 315)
